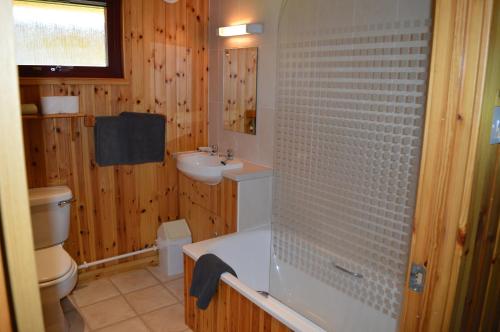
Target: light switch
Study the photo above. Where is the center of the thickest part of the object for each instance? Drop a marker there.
(495, 127)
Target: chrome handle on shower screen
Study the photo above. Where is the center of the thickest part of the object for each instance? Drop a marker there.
(343, 269)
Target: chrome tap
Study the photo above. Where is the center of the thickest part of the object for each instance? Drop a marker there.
(228, 156)
(214, 150)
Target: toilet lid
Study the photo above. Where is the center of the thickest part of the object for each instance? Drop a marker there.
(52, 263)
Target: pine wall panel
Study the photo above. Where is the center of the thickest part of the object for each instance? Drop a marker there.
(119, 208)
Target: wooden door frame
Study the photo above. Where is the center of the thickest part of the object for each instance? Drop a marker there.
(456, 84)
(16, 236)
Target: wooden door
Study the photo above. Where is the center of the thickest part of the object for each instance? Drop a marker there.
(16, 237)
(5, 309)
(450, 159)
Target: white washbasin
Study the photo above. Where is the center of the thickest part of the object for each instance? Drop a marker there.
(201, 166)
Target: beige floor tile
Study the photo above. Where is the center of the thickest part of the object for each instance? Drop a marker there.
(169, 319)
(149, 299)
(133, 280)
(177, 288)
(131, 325)
(93, 291)
(162, 277)
(107, 312)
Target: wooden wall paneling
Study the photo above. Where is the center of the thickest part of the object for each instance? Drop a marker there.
(471, 308)
(64, 132)
(197, 28)
(78, 225)
(197, 61)
(173, 144)
(147, 178)
(227, 311)
(171, 78)
(35, 153)
(137, 63)
(203, 136)
(118, 208)
(105, 193)
(191, 45)
(159, 62)
(491, 302)
(460, 36)
(148, 82)
(86, 201)
(180, 74)
(485, 201)
(148, 193)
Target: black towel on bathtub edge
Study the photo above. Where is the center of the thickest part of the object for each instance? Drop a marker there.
(207, 271)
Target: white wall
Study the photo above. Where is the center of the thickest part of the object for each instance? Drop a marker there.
(256, 148)
(254, 203)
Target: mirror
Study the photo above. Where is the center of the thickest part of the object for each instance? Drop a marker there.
(240, 90)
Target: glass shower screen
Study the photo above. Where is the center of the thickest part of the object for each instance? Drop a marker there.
(351, 90)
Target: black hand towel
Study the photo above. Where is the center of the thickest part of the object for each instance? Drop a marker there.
(130, 138)
(206, 275)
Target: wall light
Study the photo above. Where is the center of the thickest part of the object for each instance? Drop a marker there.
(239, 30)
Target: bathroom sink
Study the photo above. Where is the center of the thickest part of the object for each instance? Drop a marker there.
(202, 166)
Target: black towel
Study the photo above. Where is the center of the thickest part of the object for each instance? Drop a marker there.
(130, 138)
(206, 275)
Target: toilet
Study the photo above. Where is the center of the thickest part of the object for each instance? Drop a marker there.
(57, 271)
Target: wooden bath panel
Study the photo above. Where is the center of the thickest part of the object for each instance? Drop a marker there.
(229, 311)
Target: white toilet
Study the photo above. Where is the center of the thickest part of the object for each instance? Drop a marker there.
(57, 271)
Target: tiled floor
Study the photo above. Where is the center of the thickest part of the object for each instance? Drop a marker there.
(136, 300)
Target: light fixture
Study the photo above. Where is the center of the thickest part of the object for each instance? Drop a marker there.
(239, 30)
(170, 1)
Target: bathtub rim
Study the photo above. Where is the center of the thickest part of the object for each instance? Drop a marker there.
(289, 317)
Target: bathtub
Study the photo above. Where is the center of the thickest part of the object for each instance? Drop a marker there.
(248, 253)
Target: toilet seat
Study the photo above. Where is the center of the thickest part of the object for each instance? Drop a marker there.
(62, 280)
(54, 265)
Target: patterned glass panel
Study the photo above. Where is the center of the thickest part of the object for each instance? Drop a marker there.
(348, 128)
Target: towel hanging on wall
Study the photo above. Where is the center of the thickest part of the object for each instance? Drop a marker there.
(130, 138)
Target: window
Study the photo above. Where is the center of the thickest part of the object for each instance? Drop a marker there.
(68, 38)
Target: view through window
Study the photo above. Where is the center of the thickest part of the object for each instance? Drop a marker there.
(60, 34)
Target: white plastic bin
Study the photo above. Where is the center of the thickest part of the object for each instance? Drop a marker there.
(172, 235)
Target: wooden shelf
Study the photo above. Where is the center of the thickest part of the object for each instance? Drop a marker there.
(52, 116)
(88, 120)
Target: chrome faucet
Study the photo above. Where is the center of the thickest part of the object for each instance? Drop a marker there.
(214, 150)
(229, 156)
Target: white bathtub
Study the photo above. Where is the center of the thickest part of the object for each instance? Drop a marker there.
(248, 253)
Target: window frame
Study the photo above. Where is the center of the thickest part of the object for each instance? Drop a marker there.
(114, 49)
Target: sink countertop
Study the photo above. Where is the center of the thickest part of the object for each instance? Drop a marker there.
(249, 171)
